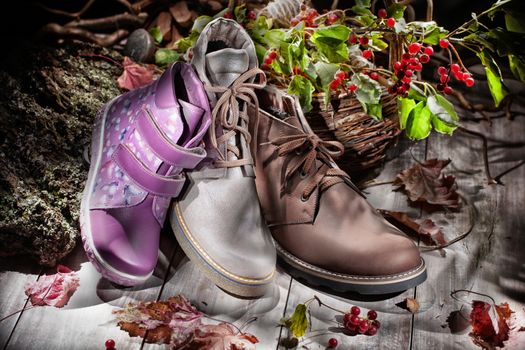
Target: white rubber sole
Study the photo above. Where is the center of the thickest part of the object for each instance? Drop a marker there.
(102, 266)
(230, 282)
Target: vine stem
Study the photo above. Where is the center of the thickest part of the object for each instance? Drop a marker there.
(491, 180)
(468, 23)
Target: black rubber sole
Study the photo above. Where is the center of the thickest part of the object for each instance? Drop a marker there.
(352, 284)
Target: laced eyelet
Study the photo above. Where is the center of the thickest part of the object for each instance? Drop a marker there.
(303, 174)
(303, 198)
(298, 152)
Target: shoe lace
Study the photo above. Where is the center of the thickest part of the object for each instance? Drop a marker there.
(308, 148)
(227, 114)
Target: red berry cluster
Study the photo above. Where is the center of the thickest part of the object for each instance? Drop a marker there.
(331, 18)
(250, 15)
(411, 61)
(391, 22)
(364, 325)
(341, 81)
(445, 76)
(307, 15)
(272, 55)
(110, 344)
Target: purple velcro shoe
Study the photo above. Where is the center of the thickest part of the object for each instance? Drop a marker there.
(141, 143)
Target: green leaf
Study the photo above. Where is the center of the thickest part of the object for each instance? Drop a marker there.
(434, 36)
(298, 322)
(497, 88)
(185, 43)
(331, 42)
(368, 93)
(166, 56)
(200, 23)
(304, 89)
(396, 10)
(326, 71)
(377, 44)
(416, 93)
(419, 124)
(363, 3)
(517, 66)
(156, 34)
(405, 106)
(443, 109)
(375, 110)
(514, 23)
(274, 37)
(365, 21)
(441, 127)
(363, 11)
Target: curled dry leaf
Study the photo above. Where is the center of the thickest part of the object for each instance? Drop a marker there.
(53, 290)
(178, 323)
(483, 333)
(222, 336)
(135, 75)
(171, 322)
(425, 229)
(409, 304)
(425, 183)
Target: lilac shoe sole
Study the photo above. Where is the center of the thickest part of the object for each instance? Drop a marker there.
(104, 268)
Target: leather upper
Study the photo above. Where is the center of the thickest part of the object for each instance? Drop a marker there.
(335, 228)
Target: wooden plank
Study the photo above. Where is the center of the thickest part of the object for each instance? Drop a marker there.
(15, 273)
(87, 320)
(190, 282)
(490, 260)
(396, 324)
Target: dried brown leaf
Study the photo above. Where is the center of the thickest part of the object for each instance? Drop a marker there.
(425, 183)
(409, 304)
(222, 336)
(483, 332)
(135, 75)
(425, 229)
(53, 290)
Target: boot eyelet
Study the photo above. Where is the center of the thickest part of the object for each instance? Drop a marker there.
(303, 198)
(303, 174)
(298, 152)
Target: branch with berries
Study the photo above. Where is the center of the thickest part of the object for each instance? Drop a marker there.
(357, 53)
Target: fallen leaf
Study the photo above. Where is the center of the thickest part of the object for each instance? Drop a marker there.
(425, 229)
(222, 336)
(53, 290)
(483, 333)
(409, 304)
(425, 183)
(521, 329)
(163, 21)
(458, 321)
(298, 322)
(171, 322)
(135, 75)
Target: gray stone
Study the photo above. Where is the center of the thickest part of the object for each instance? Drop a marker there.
(48, 102)
(140, 46)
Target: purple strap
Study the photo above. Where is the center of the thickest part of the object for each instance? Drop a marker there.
(153, 183)
(167, 151)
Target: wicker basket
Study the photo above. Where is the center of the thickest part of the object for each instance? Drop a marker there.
(366, 140)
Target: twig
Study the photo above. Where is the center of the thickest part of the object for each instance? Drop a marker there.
(373, 184)
(473, 215)
(121, 20)
(335, 3)
(85, 35)
(498, 177)
(77, 14)
(490, 179)
(453, 294)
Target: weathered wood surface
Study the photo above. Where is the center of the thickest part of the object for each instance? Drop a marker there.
(490, 261)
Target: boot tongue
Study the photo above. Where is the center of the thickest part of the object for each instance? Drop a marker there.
(226, 65)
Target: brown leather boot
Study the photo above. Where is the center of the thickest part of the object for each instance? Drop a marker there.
(324, 229)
